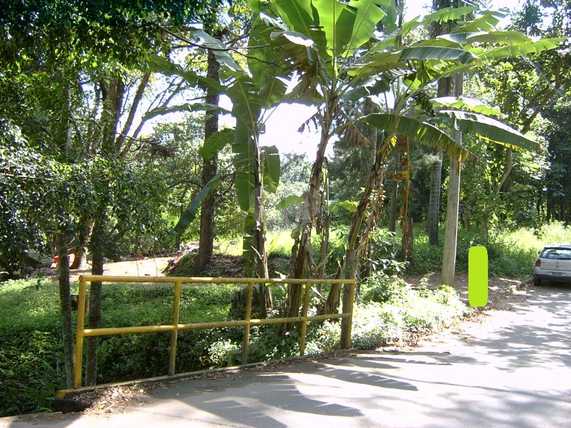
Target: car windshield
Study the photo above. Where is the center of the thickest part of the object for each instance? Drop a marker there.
(556, 253)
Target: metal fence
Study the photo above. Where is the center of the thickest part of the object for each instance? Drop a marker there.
(174, 327)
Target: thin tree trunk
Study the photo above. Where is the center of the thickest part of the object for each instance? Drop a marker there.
(406, 224)
(453, 203)
(433, 215)
(451, 231)
(302, 245)
(65, 306)
(113, 93)
(262, 296)
(94, 316)
(362, 223)
(393, 207)
(85, 226)
(254, 252)
(209, 171)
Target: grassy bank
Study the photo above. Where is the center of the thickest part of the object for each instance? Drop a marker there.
(31, 366)
(387, 311)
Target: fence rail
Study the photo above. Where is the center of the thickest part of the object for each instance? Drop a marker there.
(303, 320)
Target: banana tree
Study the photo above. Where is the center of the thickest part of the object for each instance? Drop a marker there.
(253, 86)
(320, 39)
(420, 66)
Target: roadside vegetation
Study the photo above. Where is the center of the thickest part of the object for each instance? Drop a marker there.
(388, 312)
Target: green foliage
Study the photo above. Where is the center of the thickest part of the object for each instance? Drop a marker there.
(223, 353)
(393, 311)
(381, 288)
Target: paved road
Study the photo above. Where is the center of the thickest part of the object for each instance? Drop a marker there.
(513, 370)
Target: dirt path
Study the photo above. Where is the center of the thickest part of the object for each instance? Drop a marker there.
(151, 266)
(509, 369)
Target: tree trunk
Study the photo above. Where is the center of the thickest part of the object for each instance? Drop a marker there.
(302, 244)
(451, 231)
(393, 207)
(254, 248)
(453, 202)
(262, 296)
(94, 317)
(433, 215)
(209, 170)
(406, 224)
(363, 221)
(85, 226)
(113, 92)
(65, 306)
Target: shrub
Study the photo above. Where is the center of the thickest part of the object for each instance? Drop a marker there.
(223, 353)
(382, 288)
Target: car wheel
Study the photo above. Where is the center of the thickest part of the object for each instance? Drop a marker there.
(536, 282)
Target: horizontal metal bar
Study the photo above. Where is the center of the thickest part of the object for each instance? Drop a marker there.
(114, 331)
(214, 324)
(326, 317)
(62, 393)
(275, 320)
(212, 280)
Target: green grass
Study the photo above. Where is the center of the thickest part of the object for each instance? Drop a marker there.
(510, 253)
(30, 334)
(278, 243)
(31, 366)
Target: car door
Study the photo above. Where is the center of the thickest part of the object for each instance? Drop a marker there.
(556, 260)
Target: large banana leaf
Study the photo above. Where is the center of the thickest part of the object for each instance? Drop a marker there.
(297, 14)
(422, 132)
(216, 142)
(466, 104)
(271, 168)
(165, 66)
(190, 212)
(521, 49)
(219, 50)
(368, 14)
(183, 108)
(337, 28)
(485, 22)
(489, 129)
(246, 108)
(447, 14)
(424, 53)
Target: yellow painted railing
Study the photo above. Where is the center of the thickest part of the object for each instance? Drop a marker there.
(246, 323)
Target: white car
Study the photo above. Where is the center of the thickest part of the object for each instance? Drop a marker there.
(553, 264)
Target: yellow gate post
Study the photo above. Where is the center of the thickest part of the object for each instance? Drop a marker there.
(78, 360)
(303, 323)
(175, 320)
(347, 320)
(247, 318)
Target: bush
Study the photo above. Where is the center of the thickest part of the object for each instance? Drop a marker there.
(391, 311)
(382, 288)
(224, 353)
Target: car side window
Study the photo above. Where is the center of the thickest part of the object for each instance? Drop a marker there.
(557, 253)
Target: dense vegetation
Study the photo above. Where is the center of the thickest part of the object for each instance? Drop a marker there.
(135, 129)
